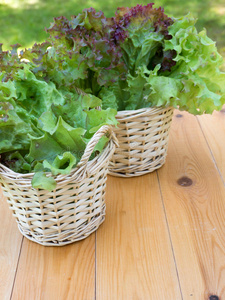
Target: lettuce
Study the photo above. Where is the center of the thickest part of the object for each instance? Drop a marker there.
(197, 67)
(169, 63)
(145, 28)
(44, 127)
(81, 52)
(49, 94)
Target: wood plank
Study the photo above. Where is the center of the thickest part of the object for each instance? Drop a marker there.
(196, 213)
(10, 243)
(53, 273)
(134, 256)
(213, 127)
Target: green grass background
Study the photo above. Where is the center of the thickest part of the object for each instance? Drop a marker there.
(24, 21)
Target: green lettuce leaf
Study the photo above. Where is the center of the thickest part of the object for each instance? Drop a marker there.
(62, 164)
(115, 96)
(109, 98)
(34, 94)
(197, 67)
(101, 144)
(98, 118)
(70, 138)
(41, 181)
(44, 147)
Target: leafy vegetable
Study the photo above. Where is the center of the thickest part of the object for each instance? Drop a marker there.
(197, 67)
(169, 64)
(81, 53)
(146, 29)
(49, 94)
(41, 181)
(45, 128)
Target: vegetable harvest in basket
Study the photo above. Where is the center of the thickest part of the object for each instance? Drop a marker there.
(169, 63)
(139, 58)
(44, 128)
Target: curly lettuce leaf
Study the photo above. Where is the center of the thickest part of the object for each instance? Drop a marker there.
(9, 62)
(181, 69)
(115, 96)
(197, 68)
(62, 164)
(109, 98)
(47, 121)
(35, 94)
(139, 90)
(69, 138)
(79, 53)
(98, 118)
(15, 122)
(146, 29)
(63, 138)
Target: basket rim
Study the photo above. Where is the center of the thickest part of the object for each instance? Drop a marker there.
(81, 168)
(130, 114)
(60, 176)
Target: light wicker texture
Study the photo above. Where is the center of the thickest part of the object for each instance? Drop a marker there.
(143, 141)
(73, 210)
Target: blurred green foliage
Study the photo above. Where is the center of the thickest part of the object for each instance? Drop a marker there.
(24, 21)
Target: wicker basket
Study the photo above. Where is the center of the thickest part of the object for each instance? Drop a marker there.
(73, 210)
(143, 138)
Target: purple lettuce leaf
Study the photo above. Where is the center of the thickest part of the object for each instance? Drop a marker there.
(146, 29)
(81, 52)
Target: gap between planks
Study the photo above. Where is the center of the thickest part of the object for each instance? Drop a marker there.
(134, 255)
(17, 267)
(202, 122)
(10, 249)
(168, 228)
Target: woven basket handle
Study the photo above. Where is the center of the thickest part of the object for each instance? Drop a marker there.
(94, 140)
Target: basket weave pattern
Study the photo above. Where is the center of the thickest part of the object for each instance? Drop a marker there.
(73, 210)
(143, 140)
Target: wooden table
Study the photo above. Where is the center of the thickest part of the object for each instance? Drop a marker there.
(163, 237)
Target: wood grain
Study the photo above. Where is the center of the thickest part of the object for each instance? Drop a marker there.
(10, 243)
(134, 256)
(213, 127)
(196, 213)
(56, 273)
